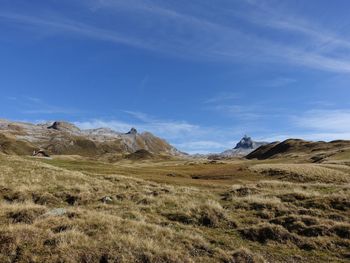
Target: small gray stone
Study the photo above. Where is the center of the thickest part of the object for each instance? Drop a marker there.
(56, 212)
(107, 199)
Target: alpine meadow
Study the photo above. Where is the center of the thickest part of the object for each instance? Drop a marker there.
(156, 131)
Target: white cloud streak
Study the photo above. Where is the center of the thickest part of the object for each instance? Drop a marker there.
(176, 33)
(222, 97)
(67, 25)
(202, 145)
(277, 18)
(325, 120)
(278, 82)
(316, 125)
(185, 136)
(36, 106)
(143, 122)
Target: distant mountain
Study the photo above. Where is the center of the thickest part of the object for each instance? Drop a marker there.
(297, 148)
(60, 138)
(245, 146)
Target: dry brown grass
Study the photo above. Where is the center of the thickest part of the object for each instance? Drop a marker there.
(309, 216)
(304, 172)
(72, 210)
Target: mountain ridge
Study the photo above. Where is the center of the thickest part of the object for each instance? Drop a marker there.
(61, 138)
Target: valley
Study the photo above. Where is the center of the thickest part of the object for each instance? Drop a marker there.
(179, 210)
(284, 202)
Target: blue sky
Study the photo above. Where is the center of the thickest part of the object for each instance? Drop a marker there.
(199, 73)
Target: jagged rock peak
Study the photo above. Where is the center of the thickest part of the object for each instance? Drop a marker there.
(63, 126)
(245, 143)
(132, 131)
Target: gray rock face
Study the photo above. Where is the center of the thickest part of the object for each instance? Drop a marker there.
(132, 131)
(64, 126)
(245, 143)
(245, 146)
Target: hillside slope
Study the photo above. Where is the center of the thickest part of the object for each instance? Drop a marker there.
(293, 148)
(63, 138)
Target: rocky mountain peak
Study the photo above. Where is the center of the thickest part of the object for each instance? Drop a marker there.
(245, 146)
(245, 143)
(64, 126)
(132, 131)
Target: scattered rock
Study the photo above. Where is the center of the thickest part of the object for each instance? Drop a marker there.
(56, 212)
(107, 200)
(40, 153)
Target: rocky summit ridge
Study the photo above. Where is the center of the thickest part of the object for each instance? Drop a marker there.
(247, 143)
(64, 138)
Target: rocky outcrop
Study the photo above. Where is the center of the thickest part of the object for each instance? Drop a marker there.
(245, 146)
(132, 131)
(64, 126)
(246, 143)
(40, 153)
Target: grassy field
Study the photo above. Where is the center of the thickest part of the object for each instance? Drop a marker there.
(69, 209)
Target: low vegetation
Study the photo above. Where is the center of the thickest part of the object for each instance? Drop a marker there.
(305, 172)
(71, 209)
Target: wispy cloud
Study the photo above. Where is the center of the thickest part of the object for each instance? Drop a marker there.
(188, 35)
(316, 125)
(115, 125)
(324, 121)
(144, 122)
(188, 137)
(164, 127)
(222, 97)
(270, 14)
(202, 147)
(310, 136)
(65, 25)
(277, 82)
(30, 105)
(238, 112)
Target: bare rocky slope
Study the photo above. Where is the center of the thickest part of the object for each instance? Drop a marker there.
(61, 138)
